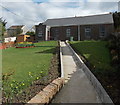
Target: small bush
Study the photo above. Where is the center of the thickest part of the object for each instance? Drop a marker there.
(25, 44)
(114, 47)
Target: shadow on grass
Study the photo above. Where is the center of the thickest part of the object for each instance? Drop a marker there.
(51, 51)
(44, 46)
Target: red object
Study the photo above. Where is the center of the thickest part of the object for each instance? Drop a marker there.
(2, 46)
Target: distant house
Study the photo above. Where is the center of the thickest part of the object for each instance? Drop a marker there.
(80, 28)
(25, 38)
(14, 30)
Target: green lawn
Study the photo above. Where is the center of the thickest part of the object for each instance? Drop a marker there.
(28, 64)
(95, 52)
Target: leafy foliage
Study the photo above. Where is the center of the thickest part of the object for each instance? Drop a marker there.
(16, 32)
(116, 18)
(114, 46)
(19, 31)
(30, 33)
(2, 28)
(114, 43)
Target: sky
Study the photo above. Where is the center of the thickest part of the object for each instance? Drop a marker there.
(33, 12)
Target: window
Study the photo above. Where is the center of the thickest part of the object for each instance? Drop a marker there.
(40, 34)
(68, 32)
(102, 31)
(87, 31)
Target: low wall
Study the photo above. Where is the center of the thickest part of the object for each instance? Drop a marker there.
(61, 61)
(45, 96)
(104, 97)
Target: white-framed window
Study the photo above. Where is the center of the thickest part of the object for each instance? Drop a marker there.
(88, 32)
(40, 34)
(102, 31)
(68, 32)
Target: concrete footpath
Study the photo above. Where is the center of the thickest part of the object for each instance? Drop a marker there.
(78, 88)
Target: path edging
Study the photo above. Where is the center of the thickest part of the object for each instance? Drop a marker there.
(61, 61)
(104, 97)
(45, 96)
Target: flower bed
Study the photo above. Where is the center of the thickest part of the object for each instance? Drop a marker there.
(25, 45)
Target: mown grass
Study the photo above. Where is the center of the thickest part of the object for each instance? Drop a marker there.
(95, 52)
(28, 64)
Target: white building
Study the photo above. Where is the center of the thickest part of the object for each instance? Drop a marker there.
(10, 39)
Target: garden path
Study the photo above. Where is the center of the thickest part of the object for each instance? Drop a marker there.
(77, 88)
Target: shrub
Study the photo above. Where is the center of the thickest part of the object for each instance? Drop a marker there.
(25, 44)
(114, 46)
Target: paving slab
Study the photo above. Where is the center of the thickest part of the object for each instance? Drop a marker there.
(77, 89)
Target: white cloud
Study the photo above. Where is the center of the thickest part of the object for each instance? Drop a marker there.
(60, 0)
(32, 13)
(65, 0)
(103, 0)
(16, 0)
(26, 13)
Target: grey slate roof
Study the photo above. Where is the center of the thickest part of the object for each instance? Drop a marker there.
(83, 20)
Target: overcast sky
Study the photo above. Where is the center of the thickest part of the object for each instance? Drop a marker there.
(32, 12)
